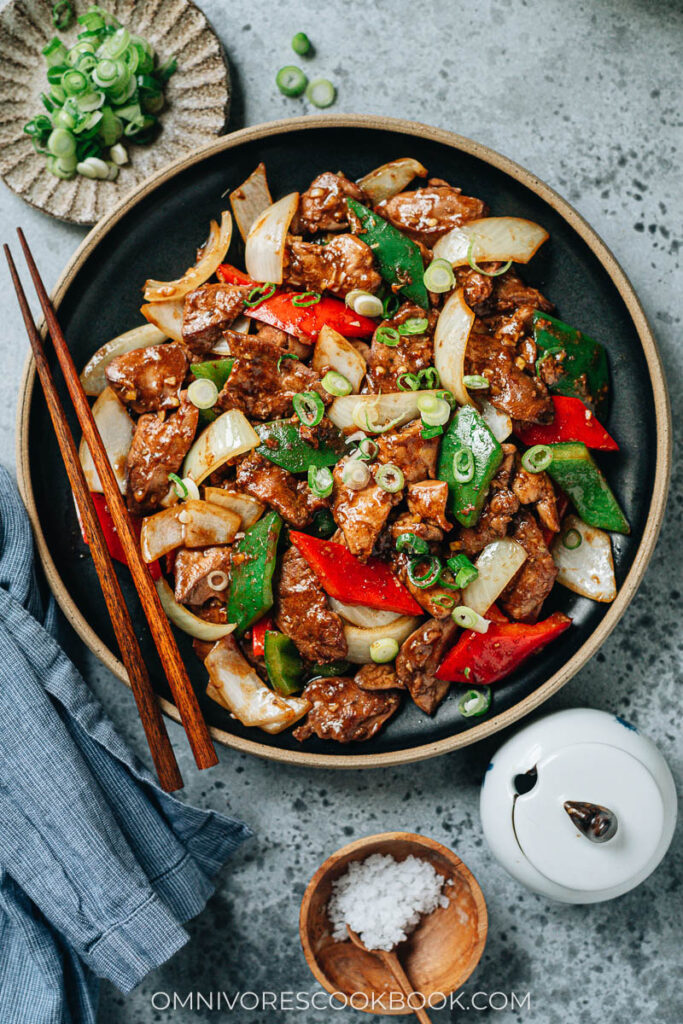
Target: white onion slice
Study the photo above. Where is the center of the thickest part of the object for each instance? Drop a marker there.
(167, 316)
(192, 524)
(497, 564)
(264, 252)
(191, 624)
(332, 350)
(247, 508)
(450, 343)
(588, 569)
(160, 534)
(250, 199)
(398, 406)
(234, 684)
(359, 640)
(499, 423)
(93, 376)
(385, 181)
(116, 430)
(361, 615)
(229, 435)
(214, 253)
(492, 238)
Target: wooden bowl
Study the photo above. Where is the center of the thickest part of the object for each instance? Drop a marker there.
(438, 957)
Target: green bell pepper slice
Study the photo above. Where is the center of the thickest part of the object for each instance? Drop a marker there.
(468, 433)
(584, 372)
(282, 443)
(399, 259)
(216, 370)
(330, 668)
(251, 581)
(575, 471)
(283, 663)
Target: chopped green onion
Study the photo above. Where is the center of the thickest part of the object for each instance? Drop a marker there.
(434, 411)
(61, 143)
(309, 407)
(439, 276)
(74, 82)
(486, 273)
(391, 305)
(476, 382)
(306, 299)
(384, 650)
(388, 336)
(429, 432)
(321, 93)
(179, 486)
(429, 576)
(291, 81)
(366, 450)
(301, 44)
(412, 544)
(429, 378)
(390, 478)
(336, 384)
(538, 458)
(463, 570)
(364, 303)
(203, 393)
(408, 382)
(356, 475)
(119, 154)
(447, 396)
(320, 481)
(54, 52)
(467, 618)
(414, 325)
(443, 600)
(572, 539)
(62, 14)
(285, 355)
(259, 294)
(93, 167)
(463, 465)
(475, 702)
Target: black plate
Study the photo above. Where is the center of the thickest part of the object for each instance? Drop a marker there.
(157, 238)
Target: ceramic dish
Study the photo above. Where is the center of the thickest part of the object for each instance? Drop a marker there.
(197, 100)
(169, 214)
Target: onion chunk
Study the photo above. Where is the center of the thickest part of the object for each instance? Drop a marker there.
(489, 239)
(191, 624)
(214, 253)
(93, 377)
(360, 640)
(498, 563)
(264, 253)
(250, 199)
(389, 179)
(586, 567)
(116, 430)
(450, 343)
(229, 435)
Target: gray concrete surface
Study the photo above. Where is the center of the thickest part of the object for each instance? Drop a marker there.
(587, 95)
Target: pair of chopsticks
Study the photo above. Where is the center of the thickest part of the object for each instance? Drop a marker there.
(176, 673)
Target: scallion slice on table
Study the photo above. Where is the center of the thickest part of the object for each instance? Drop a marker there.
(301, 44)
(309, 407)
(467, 618)
(321, 93)
(475, 702)
(291, 81)
(538, 458)
(320, 481)
(384, 650)
(336, 384)
(439, 276)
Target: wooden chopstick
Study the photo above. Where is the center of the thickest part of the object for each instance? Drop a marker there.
(145, 698)
(184, 696)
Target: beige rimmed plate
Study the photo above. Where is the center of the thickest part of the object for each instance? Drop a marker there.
(197, 100)
(574, 268)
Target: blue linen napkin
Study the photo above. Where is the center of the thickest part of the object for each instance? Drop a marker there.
(98, 867)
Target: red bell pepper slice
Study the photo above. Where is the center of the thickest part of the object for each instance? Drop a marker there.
(231, 275)
(111, 536)
(484, 658)
(573, 422)
(346, 578)
(258, 635)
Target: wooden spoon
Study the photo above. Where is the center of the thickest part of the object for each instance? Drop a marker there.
(392, 964)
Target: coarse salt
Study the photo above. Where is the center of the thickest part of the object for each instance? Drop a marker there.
(383, 899)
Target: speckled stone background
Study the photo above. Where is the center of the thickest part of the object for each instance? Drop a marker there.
(586, 95)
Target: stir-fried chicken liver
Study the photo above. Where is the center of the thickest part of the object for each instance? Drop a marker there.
(501, 505)
(419, 658)
(512, 389)
(414, 454)
(339, 266)
(208, 311)
(414, 352)
(360, 513)
(149, 379)
(159, 447)
(345, 712)
(378, 677)
(322, 206)
(194, 567)
(428, 213)
(302, 611)
(523, 597)
(274, 486)
(257, 388)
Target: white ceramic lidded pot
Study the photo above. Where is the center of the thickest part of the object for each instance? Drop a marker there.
(578, 806)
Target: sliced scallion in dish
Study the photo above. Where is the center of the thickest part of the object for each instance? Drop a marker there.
(463, 570)
(203, 393)
(179, 485)
(538, 458)
(486, 273)
(434, 411)
(463, 465)
(425, 572)
(291, 81)
(321, 93)
(309, 407)
(281, 359)
(301, 44)
(356, 475)
(364, 303)
(467, 618)
(439, 276)
(408, 382)
(572, 540)
(320, 481)
(388, 336)
(475, 702)
(306, 299)
(411, 544)
(384, 650)
(430, 432)
(336, 384)
(414, 325)
(476, 382)
(390, 478)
